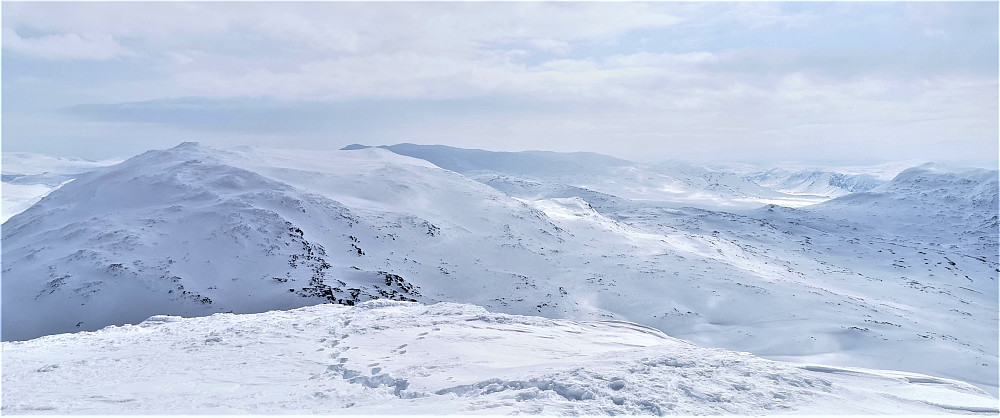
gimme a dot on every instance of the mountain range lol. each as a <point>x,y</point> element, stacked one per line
<point>896,274</point>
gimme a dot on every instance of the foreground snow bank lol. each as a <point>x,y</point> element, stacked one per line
<point>399,358</point>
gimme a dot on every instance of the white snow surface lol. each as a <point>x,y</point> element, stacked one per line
<point>18,197</point>
<point>28,177</point>
<point>859,281</point>
<point>824,184</point>
<point>406,358</point>
<point>31,164</point>
<point>884,172</point>
<point>539,174</point>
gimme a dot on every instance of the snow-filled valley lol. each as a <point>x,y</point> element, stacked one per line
<point>842,269</point>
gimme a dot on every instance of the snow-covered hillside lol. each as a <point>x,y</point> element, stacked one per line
<point>406,358</point>
<point>915,260</point>
<point>831,251</point>
<point>195,230</point>
<point>177,232</point>
<point>28,177</point>
<point>541,174</point>
<point>815,182</point>
<point>944,208</point>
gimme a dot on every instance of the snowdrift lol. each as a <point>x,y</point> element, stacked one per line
<point>406,358</point>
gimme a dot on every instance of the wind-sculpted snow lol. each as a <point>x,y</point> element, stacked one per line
<point>526,162</point>
<point>195,231</point>
<point>405,358</point>
<point>176,232</point>
<point>561,174</point>
<point>815,182</point>
<point>29,177</point>
<point>942,208</point>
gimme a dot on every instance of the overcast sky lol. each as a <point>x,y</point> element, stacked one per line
<point>812,82</point>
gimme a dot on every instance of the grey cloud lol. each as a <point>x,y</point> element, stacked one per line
<point>265,116</point>
<point>706,79</point>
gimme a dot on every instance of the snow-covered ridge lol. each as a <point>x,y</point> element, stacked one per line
<point>178,231</point>
<point>676,183</point>
<point>944,207</point>
<point>523,162</point>
<point>882,172</point>
<point>28,177</point>
<point>815,182</point>
<point>196,231</point>
<point>30,164</point>
<point>976,184</point>
<point>406,358</point>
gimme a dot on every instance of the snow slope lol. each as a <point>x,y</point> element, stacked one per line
<point>922,248</point>
<point>28,177</point>
<point>939,206</point>
<point>866,270</point>
<point>406,358</point>
<point>815,182</point>
<point>676,184</point>
<point>176,232</point>
<point>881,172</point>
<point>18,197</point>
<point>195,231</point>
<point>23,164</point>
<point>913,264</point>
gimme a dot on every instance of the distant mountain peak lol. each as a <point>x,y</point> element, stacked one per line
<point>946,172</point>
<point>187,145</point>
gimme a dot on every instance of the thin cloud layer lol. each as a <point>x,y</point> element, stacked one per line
<point>638,80</point>
<point>67,46</point>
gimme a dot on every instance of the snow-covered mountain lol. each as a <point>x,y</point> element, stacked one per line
<point>916,260</point>
<point>544,174</point>
<point>815,182</point>
<point>945,208</point>
<point>394,357</point>
<point>22,167</point>
<point>195,230</point>
<point>27,177</point>
<point>549,163</point>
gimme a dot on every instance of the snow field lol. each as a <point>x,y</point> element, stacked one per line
<point>398,357</point>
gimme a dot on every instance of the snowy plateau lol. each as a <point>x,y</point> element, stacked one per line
<point>430,279</point>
